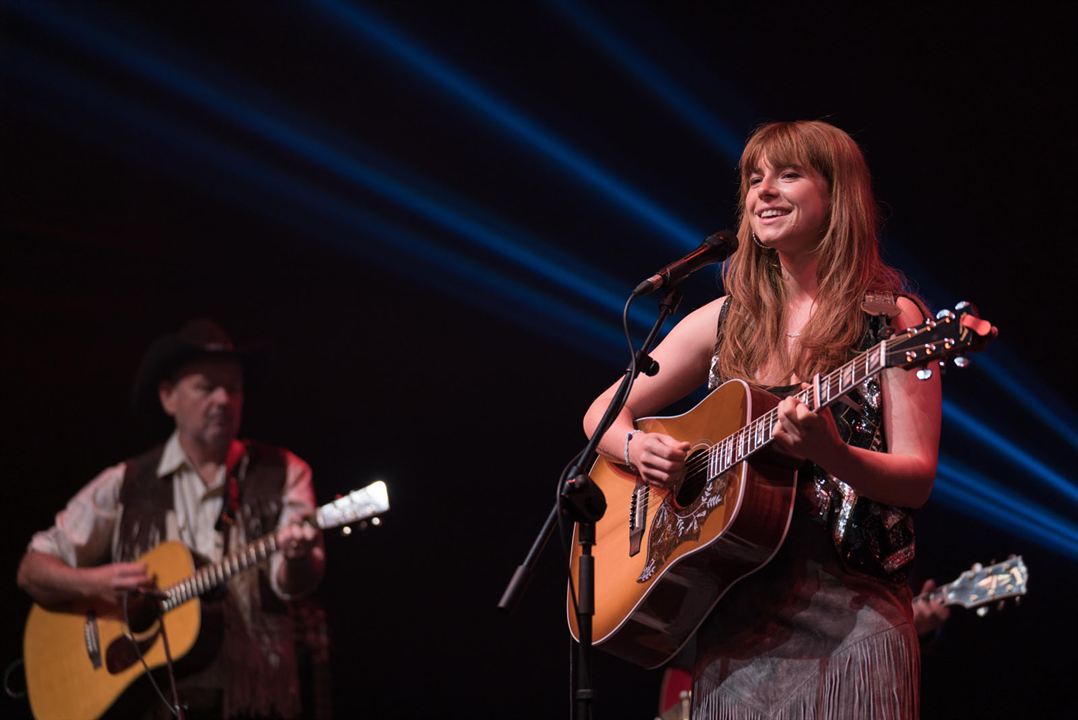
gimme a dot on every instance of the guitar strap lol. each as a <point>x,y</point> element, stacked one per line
<point>230,508</point>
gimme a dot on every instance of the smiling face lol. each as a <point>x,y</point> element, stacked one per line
<point>787,206</point>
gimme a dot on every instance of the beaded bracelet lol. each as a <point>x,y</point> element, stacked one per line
<point>628,462</point>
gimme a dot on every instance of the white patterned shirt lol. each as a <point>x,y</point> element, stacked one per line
<point>86,532</point>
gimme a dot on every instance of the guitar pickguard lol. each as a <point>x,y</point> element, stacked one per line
<point>671,527</point>
<point>125,651</point>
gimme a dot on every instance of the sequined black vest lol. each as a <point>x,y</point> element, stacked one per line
<point>870,537</point>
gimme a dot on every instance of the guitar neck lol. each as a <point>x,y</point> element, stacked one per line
<point>980,585</point>
<point>825,390</point>
<point>213,576</point>
<point>357,505</point>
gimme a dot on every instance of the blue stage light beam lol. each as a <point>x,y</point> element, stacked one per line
<point>374,30</point>
<point>400,250</point>
<point>993,491</point>
<point>1057,418</point>
<point>724,140</point>
<point>328,158</point>
<point>619,341</point>
<point>286,191</point>
<point>716,132</point>
<point>1019,383</point>
<point>1006,449</point>
<point>545,261</point>
<point>953,491</point>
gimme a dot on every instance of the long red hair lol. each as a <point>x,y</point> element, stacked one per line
<point>849,261</point>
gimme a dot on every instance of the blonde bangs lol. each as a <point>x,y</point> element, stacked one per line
<point>786,145</point>
<point>850,264</point>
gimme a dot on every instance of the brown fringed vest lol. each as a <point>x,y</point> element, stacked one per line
<point>147,499</point>
<point>256,664</point>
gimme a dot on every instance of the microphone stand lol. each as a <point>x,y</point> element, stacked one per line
<point>582,501</point>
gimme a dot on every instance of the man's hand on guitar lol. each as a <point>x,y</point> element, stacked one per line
<point>660,459</point>
<point>296,541</point>
<point>106,584</point>
<point>929,614</point>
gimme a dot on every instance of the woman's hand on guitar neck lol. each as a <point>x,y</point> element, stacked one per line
<point>658,458</point>
<point>806,435</point>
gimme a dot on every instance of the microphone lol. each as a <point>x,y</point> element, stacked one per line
<point>715,248</point>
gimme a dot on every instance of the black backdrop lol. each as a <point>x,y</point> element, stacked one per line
<point>465,402</point>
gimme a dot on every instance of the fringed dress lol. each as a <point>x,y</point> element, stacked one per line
<point>825,630</point>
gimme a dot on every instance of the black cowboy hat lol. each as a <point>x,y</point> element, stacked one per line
<point>196,340</point>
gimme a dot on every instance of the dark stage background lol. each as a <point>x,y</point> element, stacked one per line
<point>147,180</point>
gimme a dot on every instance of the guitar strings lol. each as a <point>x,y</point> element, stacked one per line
<point>767,419</point>
<point>702,461</point>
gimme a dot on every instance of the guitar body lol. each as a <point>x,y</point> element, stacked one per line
<point>79,662</point>
<point>696,542</point>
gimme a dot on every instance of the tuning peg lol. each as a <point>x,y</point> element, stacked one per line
<point>982,611</point>
<point>961,361</point>
<point>346,531</point>
<point>924,373</point>
<point>966,306</point>
<point>944,314</point>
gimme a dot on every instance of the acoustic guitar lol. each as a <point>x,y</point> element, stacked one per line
<point>79,662</point>
<point>664,557</point>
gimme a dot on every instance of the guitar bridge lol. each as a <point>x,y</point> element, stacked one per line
<point>638,515</point>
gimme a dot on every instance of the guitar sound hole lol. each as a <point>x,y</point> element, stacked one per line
<point>142,613</point>
<point>693,483</point>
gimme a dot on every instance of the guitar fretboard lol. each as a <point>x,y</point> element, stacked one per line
<point>357,505</point>
<point>209,577</point>
<point>734,448</point>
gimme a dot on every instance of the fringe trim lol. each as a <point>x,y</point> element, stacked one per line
<point>876,678</point>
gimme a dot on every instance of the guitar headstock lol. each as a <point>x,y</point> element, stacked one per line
<point>357,505</point>
<point>950,335</point>
<point>981,585</point>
